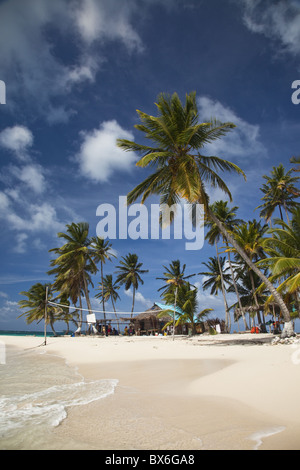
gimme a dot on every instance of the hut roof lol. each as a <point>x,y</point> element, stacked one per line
<point>152,312</point>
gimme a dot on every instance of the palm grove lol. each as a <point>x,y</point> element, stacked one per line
<point>258,261</point>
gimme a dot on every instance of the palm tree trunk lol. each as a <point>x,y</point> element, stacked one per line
<point>227,315</point>
<point>255,296</point>
<point>52,327</point>
<point>113,304</point>
<point>288,327</point>
<point>86,293</point>
<point>236,290</point>
<point>133,298</point>
<point>173,334</point>
<point>103,303</point>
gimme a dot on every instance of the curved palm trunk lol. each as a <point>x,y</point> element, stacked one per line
<point>255,296</point>
<point>227,315</point>
<point>236,291</point>
<point>288,327</point>
<point>51,321</point>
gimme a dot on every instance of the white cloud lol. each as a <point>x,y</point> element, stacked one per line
<point>29,217</point>
<point>27,52</point>
<point>139,298</point>
<point>99,155</point>
<point>276,20</point>
<point>20,246</point>
<point>32,176</point>
<point>109,19</point>
<point>9,310</point>
<point>242,141</point>
<point>17,139</point>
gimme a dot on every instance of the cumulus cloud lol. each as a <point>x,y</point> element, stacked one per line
<point>17,139</point>
<point>242,141</point>
<point>99,155</point>
<point>277,20</point>
<point>139,298</point>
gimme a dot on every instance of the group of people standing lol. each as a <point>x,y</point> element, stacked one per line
<point>108,330</point>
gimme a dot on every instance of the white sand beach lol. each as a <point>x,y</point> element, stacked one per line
<point>233,391</point>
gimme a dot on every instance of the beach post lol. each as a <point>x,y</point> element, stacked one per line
<point>45,325</point>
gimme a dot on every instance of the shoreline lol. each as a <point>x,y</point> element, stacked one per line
<point>221,392</point>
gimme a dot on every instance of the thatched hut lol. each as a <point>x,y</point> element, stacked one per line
<point>147,323</point>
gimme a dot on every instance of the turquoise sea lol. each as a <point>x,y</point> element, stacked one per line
<point>27,333</point>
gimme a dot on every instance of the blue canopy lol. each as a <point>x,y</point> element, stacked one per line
<point>169,307</point>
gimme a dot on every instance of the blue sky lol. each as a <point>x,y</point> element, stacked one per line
<point>75,73</point>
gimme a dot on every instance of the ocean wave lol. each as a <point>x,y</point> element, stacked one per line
<point>49,406</point>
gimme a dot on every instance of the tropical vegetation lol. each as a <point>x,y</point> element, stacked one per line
<point>256,267</point>
<point>181,171</point>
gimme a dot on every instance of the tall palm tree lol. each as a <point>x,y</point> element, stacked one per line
<point>279,191</point>
<point>129,273</point>
<point>75,261</point>
<point>35,305</point>
<point>181,171</point>
<point>108,291</point>
<point>101,251</point>
<point>174,277</point>
<point>227,216</point>
<point>218,277</point>
<point>283,248</point>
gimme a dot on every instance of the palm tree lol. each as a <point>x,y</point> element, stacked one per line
<point>250,235</point>
<point>36,303</point>
<point>188,304</point>
<point>249,295</point>
<point>283,248</point>
<point>129,273</point>
<point>101,251</point>
<point>279,191</point>
<point>181,171</point>
<point>108,291</point>
<point>69,283</point>
<point>227,216</point>
<point>174,278</point>
<point>297,161</point>
<point>75,262</point>
<point>217,280</point>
